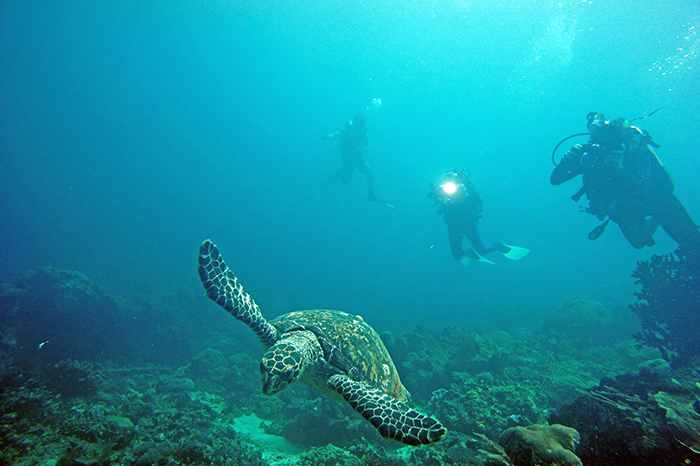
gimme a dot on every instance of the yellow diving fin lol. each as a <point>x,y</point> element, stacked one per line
<point>516,253</point>
<point>374,199</point>
<point>330,181</point>
<point>472,255</point>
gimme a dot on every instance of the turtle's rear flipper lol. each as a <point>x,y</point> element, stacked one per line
<point>391,418</point>
<point>223,287</point>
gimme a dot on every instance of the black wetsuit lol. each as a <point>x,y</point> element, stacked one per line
<point>352,145</point>
<point>625,181</point>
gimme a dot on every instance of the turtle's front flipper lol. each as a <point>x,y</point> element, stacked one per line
<point>392,418</point>
<point>224,288</point>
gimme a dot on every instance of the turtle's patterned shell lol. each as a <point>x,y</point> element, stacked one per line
<point>350,345</point>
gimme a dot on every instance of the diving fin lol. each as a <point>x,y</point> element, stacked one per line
<point>516,252</point>
<point>472,255</point>
<point>599,230</point>
<point>370,197</point>
<point>382,202</point>
<point>330,181</point>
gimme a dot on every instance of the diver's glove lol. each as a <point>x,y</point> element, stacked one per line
<point>433,191</point>
<point>575,152</point>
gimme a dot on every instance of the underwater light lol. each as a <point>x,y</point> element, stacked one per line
<point>449,188</point>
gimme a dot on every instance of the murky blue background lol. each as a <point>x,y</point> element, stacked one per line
<point>131,131</point>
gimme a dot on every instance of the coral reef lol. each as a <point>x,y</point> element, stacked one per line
<point>636,419</point>
<point>668,304</point>
<point>156,380</point>
<point>329,455</point>
<point>123,422</point>
<point>580,324</point>
<point>538,444</point>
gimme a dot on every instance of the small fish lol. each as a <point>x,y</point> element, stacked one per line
<point>41,345</point>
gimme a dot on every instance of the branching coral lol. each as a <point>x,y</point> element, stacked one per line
<point>669,306</point>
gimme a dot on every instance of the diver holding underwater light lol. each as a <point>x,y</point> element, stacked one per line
<point>461,207</point>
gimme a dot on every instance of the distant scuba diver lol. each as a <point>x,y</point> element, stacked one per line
<point>625,182</point>
<point>461,207</point>
<point>353,142</point>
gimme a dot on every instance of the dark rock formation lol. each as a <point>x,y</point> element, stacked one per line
<point>50,315</point>
<point>621,422</point>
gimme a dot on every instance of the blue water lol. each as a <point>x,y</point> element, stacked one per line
<point>131,131</point>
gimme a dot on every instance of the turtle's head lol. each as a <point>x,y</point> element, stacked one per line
<point>281,365</point>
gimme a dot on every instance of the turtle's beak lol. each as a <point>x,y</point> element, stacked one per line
<point>273,381</point>
<point>268,386</point>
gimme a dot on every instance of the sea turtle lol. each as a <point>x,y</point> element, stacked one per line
<point>336,353</point>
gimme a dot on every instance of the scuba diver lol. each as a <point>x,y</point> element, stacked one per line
<point>461,207</point>
<point>352,144</point>
<point>625,182</point>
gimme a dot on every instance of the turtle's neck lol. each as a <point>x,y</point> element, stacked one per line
<point>306,343</point>
<point>288,360</point>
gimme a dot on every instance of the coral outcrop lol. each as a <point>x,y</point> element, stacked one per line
<point>683,412</point>
<point>541,445</point>
<point>50,315</point>
<point>580,324</point>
